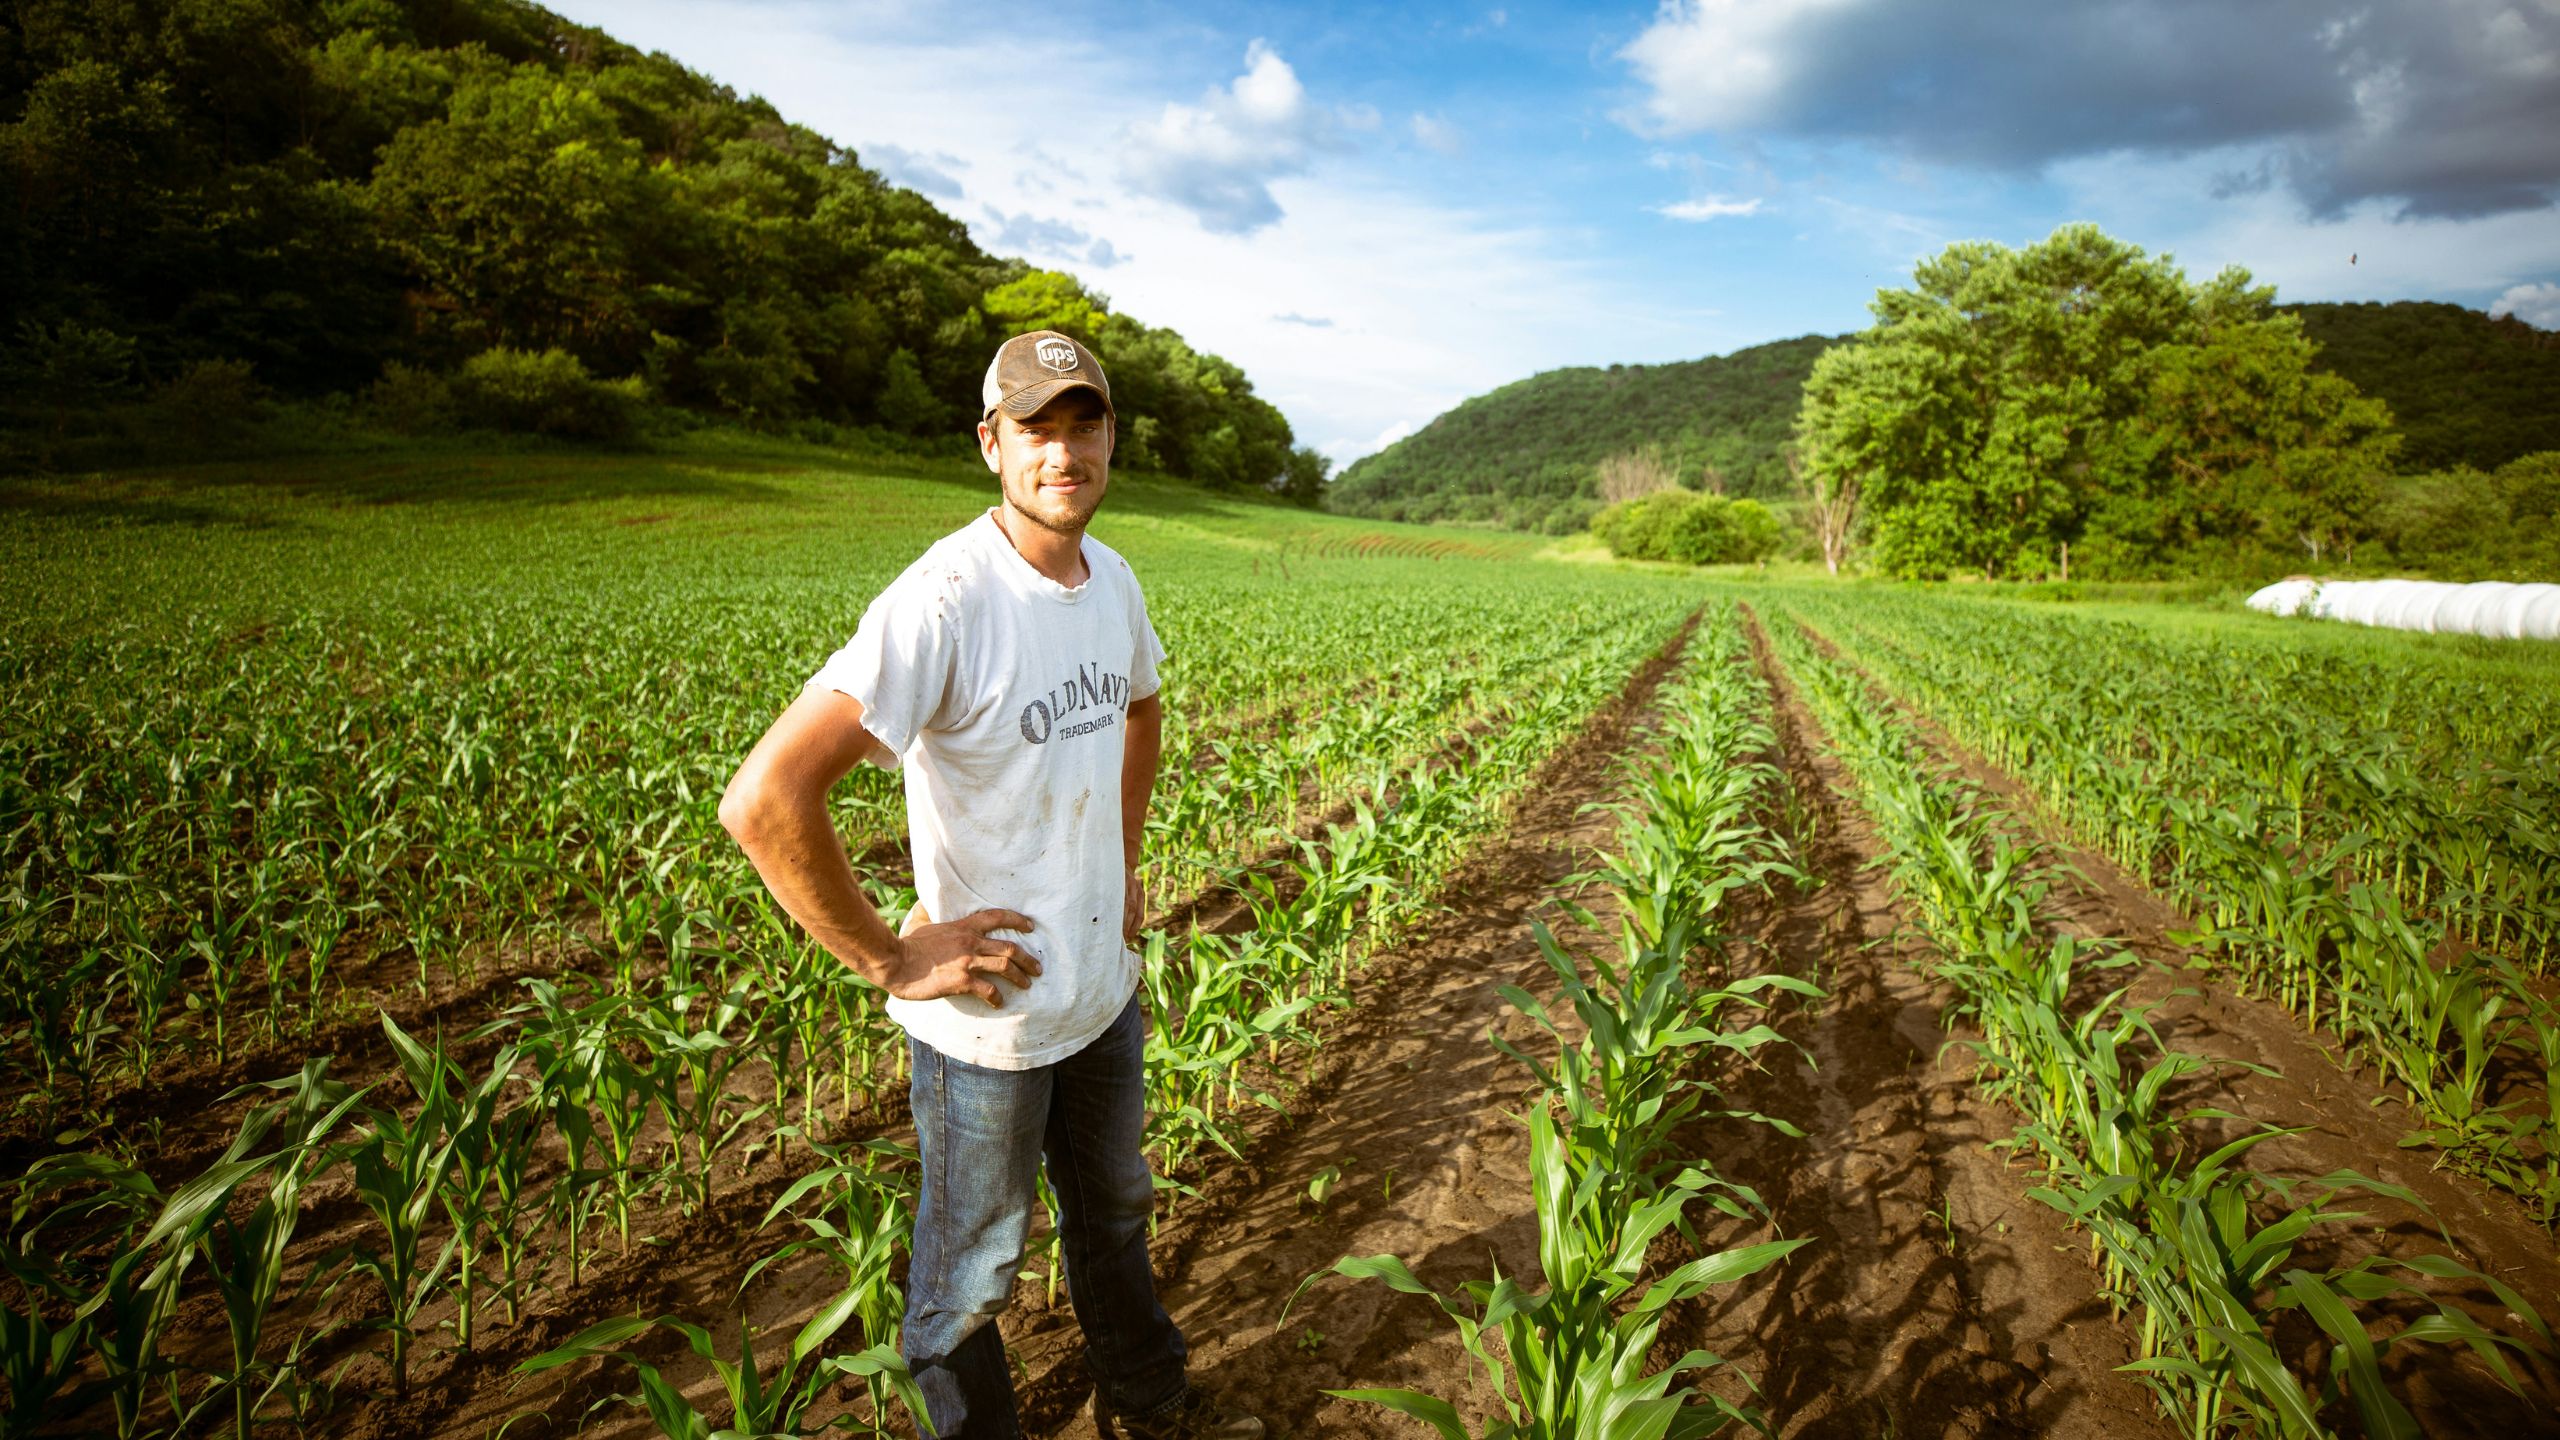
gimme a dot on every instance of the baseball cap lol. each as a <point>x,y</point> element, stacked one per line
<point>1030,368</point>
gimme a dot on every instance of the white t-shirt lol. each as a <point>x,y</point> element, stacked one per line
<point>1004,696</point>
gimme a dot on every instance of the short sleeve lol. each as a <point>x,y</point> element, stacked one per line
<point>1146,651</point>
<point>902,662</point>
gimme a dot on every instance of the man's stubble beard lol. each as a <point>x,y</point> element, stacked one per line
<point>1077,522</point>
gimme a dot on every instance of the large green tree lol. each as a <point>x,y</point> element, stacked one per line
<point>2078,404</point>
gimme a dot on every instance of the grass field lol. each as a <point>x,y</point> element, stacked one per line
<point>1599,926</point>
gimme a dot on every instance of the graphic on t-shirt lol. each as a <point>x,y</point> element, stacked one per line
<point>1091,688</point>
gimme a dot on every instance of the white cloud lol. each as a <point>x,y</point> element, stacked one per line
<point>1217,159</point>
<point>2431,104</point>
<point>926,174</point>
<point>1039,239</point>
<point>2369,251</point>
<point>1435,134</point>
<point>1718,64</point>
<point>2537,305</point>
<point>1429,302</point>
<point>1709,207</point>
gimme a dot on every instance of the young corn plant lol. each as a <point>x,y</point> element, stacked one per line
<point>109,1202</point>
<point>403,1167</point>
<point>761,1403</point>
<point>482,1188</point>
<point>1570,1364</point>
<point>245,1255</point>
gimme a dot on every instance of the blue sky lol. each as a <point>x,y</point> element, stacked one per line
<point>1379,211</point>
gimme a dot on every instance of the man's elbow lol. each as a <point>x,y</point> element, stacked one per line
<point>743,812</point>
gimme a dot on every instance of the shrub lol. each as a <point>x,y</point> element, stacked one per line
<point>1687,528</point>
<point>410,400</point>
<point>1757,535</point>
<point>544,392</point>
<point>2466,524</point>
<point>906,402</point>
<point>1568,517</point>
<point>211,403</point>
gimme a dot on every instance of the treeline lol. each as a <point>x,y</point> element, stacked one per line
<point>2466,397</point>
<point>2465,389</point>
<point>2078,406</point>
<point>472,212</point>
<point>1527,456</point>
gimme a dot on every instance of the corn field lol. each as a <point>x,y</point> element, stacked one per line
<point>396,1045</point>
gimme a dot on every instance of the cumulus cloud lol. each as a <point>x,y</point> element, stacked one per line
<point>2537,305</point>
<point>1217,159</point>
<point>925,173</point>
<point>1709,207</point>
<point>2433,104</point>
<point>1034,236</point>
<point>1437,135</point>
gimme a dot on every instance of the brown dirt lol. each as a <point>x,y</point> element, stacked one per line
<point>1936,1299</point>
<point>1408,1100</point>
<point>2348,1122</point>
<point>1420,1006</point>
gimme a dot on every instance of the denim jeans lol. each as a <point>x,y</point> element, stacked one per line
<point>982,1134</point>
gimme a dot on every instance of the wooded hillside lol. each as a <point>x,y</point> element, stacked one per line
<point>217,198</point>
<point>2464,389</point>
<point>1524,455</point>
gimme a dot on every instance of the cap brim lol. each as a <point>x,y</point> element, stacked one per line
<point>1031,397</point>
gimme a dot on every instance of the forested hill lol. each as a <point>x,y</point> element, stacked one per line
<point>209,199</point>
<point>2464,388</point>
<point>1524,455</point>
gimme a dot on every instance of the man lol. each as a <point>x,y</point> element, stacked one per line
<point>1012,672</point>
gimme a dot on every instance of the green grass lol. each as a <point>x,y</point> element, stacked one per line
<point>247,540</point>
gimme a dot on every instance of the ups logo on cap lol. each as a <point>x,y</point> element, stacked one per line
<point>1056,354</point>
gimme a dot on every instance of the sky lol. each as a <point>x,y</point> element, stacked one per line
<point>1379,211</point>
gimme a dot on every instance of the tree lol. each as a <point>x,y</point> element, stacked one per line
<point>1634,474</point>
<point>1830,502</point>
<point>2080,393</point>
<point>519,209</point>
<point>906,402</point>
<point>1302,481</point>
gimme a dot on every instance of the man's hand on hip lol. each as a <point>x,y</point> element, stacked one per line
<point>958,957</point>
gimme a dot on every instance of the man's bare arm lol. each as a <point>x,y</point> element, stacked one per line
<point>1138,759</point>
<point>776,807</point>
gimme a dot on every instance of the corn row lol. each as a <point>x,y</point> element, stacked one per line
<point>2201,1246</point>
<point>1608,1178</point>
<point>2292,909</point>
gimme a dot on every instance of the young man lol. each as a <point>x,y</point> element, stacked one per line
<point>1012,672</point>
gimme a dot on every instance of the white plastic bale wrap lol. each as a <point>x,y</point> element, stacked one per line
<point>2284,597</point>
<point>2473,609</point>
<point>2493,607</point>
<point>2541,613</point>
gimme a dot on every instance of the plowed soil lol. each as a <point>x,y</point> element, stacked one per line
<point>2347,1122</point>
<point>1935,1299</point>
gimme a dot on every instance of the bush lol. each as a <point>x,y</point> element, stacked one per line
<point>1756,533</point>
<point>906,402</point>
<point>2466,524</point>
<point>544,392</point>
<point>211,404</point>
<point>1569,517</point>
<point>410,400</point>
<point>1687,528</point>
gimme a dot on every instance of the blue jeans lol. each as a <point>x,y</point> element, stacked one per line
<point>982,1134</point>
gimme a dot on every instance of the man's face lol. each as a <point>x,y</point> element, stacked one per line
<point>1055,463</point>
